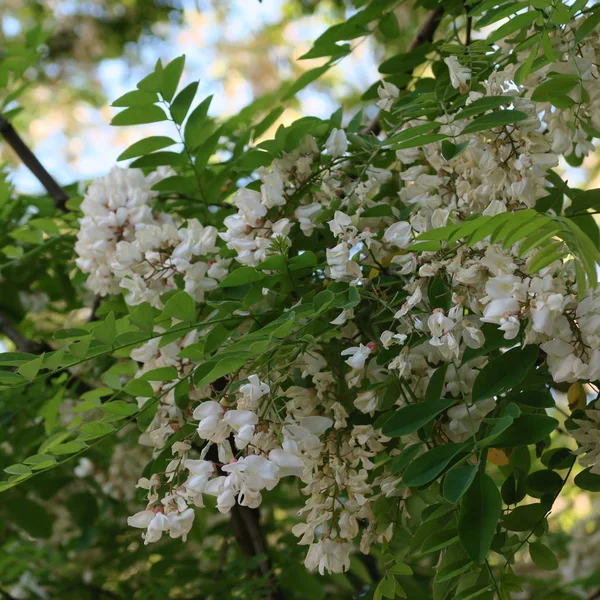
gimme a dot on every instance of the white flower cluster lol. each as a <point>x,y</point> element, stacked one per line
<point>124,244</point>
<point>298,419</point>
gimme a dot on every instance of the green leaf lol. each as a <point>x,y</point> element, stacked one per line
<point>543,482</point>
<point>584,200</point>
<point>275,262</point>
<point>514,24</point>
<point>534,398</point>
<point>405,62</point>
<point>504,372</point>
<point>197,124</point>
<point>450,150</point>
<point>10,378</point>
<point>475,591</point>
<point>410,133</point>
<point>38,459</point>
<point>170,77</point>
<point>323,300</point>
<point>221,368</point>
<point>120,408</point>
<point>453,570</point>
<point>524,518</point>
<point>18,469</point>
<point>401,569</point>
<point>139,115</point>
<point>480,510</point>
<point>543,557</point>
<point>558,459</point>
<point>333,50</point>
<point>501,424</point>
<point>53,440</point>
<point>143,317</point>
<point>411,418</point>
<point>306,260</point>
<point>498,13</point>
<point>402,460</point>
<point>66,334</point>
<point>439,294</point>
<point>181,105</point>
<point>139,388</point>
<point>106,331</point>
<point>457,481</point>
<point>91,431</point>
<point>50,411</point>
<point>145,146</point>
<point>517,231</point>
<point>14,359</point>
<point>160,374</point>
<point>68,448</point>
<point>546,256</point>
<point>180,306</point>
<point>439,540</point>
<point>482,105</point>
<point>388,25</point>
<point>527,429</point>
<point>428,466</point>
<point>136,98</point>
<point>153,81</point>
<point>421,140</point>
<point>493,120</point>
<point>556,84</point>
<point>586,480</point>
<point>538,238</point>
<point>159,159</point>
<point>30,369</point>
<point>242,276</point>
<point>588,25</point>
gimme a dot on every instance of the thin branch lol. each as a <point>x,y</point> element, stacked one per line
<point>424,36</point>
<point>14,140</point>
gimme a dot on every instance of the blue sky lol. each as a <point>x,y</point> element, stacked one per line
<point>97,145</point>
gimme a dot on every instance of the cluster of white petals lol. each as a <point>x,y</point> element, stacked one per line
<point>124,244</point>
<point>297,419</point>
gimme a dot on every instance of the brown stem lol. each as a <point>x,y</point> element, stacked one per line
<point>14,140</point>
<point>424,35</point>
<point>245,523</point>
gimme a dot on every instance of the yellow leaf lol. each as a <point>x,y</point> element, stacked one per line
<point>497,457</point>
<point>576,396</point>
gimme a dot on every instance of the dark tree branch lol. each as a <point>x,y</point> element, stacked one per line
<point>245,523</point>
<point>424,36</point>
<point>22,344</point>
<point>14,140</point>
<point>469,29</point>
